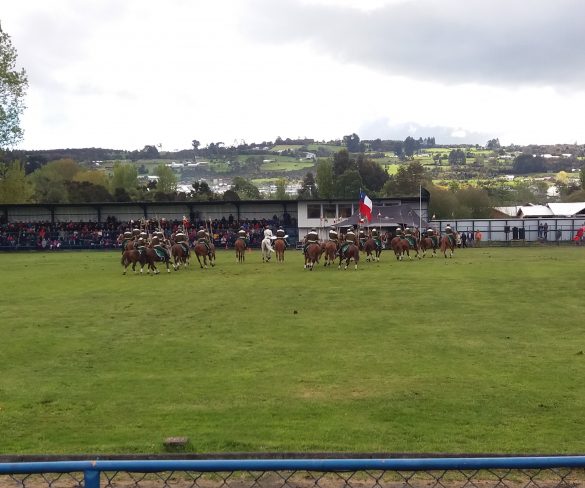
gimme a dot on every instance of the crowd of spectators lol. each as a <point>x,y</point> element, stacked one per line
<point>104,235</point>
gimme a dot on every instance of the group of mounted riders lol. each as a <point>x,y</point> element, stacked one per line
<point>146,249</point>
<point>347,245</point>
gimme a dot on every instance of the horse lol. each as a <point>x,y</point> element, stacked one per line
<point>181,254</point>
<point>402,246</point>
<point>372,250</point>
<point>240,247</point>
<point>329,248</point>
<point>279,247</point>
<point>428,244</point>
<point>267,250</point>
<point>350,252</point>
<point>312,255</point>
<point>129,243</point>
<point>131,257</point>
<point>201,250</point>
<point>153,257</point>
<point>447,244</point>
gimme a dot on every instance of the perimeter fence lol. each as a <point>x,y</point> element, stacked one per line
<point>496,472</point>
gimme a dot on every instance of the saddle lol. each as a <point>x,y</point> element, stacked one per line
<point>185,247</point>
<point>161,253</point>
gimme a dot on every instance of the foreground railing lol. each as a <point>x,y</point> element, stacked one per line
<point>497,472</point>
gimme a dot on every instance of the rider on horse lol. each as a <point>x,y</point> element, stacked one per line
<point>450,234</point>
<point>311,238</point>
<point>268,235</point>
<point>242,234</point>
<point>408,235</point>
<point>362,238</point>
<point>126,238</point>
<point>376,238</point>
<point>182,239</point>
<point>349,239</point>
<point>202,236</point>
<point>398,232</point>
<point>280,234</point>
<point>158,244</point>
<point>334,236</point>
<point>433,236</point>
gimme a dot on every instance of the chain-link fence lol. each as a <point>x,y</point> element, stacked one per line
<point>518,472</point>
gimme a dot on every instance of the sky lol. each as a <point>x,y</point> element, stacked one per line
<point>128,73</point>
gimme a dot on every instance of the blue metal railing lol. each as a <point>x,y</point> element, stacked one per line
<point>91,469</point>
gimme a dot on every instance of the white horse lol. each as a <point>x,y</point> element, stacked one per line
<point>266,246</point>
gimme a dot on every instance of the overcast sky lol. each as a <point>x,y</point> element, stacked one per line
<point>127,73</point>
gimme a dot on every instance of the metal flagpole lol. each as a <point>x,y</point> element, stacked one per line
<point>419,208</point>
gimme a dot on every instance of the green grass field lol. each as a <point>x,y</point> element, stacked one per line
<point>479,354</point>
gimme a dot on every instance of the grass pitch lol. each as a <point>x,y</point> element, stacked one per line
<point>479,354</point>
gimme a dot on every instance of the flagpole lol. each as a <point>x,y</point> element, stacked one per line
<point>420,208</point>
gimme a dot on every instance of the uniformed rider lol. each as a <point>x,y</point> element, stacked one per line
<point>431,233</point>
<point>242,234</point>
<point>362,237</point>
<point>280,234</point>
<point>349,239</point>
<point>182,239</point>
<point>450,234</point>
<point>202,236</point>
<point>409,236</point>
<point>311,238</point>
<point>126,238</point>
<point>398,232</point>
<point>376,238</point>
<point>157,243</point>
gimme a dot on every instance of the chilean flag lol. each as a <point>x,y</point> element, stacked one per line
<point>366,206</point>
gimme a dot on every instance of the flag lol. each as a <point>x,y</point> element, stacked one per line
<point>366,206</point>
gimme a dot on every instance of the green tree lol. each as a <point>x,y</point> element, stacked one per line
<point>407,181</point>
<point>348,185</point>
<point>324,178</point>
<point>202,192</point>
<point>50,181</point>
<point>373,175</point>
<point>353,144</point>
<point>14,186</point>
<point>245,189</point>
<point>410,146</point>
<point>442,203</point>
<point>167,181</point>
<point>457,157</point>
<point>342,162</point>
<point>13,85</point>
<point>493,144</point>
<point>280,193</point>
<point>582,177</point>
<point>124,177</point>
<point>308,189</point>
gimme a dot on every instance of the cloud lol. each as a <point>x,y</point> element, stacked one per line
<point>384,128</point>
<point>532,42</point>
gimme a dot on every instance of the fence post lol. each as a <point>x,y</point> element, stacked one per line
<point>91,479</point>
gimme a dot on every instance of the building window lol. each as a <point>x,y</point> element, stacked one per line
<point>344,211</point>
<point>329,211</point>
<point>314,211</point>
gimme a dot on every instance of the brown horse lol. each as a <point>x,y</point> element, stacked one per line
<point>447,245</point>
<point>129,243</point>
<point>348,253</point>
<point>240,246</point>
<point>329,248</point>
<point>131,257</point>
<point>279,247</point>
<point>181,254</point>
<point>153,257</point>
<point>201,250</point>
<point>428,244</point>
<point>372,250</point>
<point>402,246</point>
<point>312,255</point>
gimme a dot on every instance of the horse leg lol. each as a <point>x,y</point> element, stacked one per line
<point>199,259</point>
